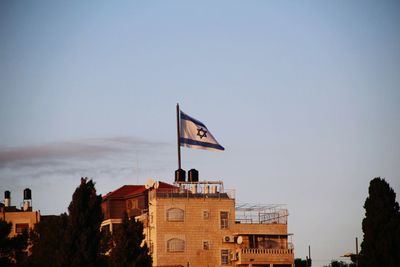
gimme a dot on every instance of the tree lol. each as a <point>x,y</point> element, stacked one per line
<point>335,263</point>
<point>82,238</point>
<point>12,250</point>
<point>128,249</point>
<point>47,240</point>
<point>300,262</point>
<point>381,227</point>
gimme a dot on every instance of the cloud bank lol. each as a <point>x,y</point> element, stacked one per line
<point>99,157</point>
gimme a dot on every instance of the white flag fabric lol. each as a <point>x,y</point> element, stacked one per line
<point>194,134</point>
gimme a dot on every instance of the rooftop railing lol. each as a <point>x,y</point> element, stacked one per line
<point>261,214</point>
<point>193,193</point>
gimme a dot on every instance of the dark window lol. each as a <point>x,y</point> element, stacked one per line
<point>225,257</point>
<point>21,227</point>
<point>224,219</point>
<point>175,245</point>
<point>206,245</point>
<point>206,214</point>
<point>175,215</point>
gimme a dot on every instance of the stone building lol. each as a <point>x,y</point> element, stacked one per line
<point>22,219</point>
<point>198,224</point>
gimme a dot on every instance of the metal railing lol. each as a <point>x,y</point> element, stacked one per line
<point>184,193</point>
<point>266,251</point>
<point>261,213</point>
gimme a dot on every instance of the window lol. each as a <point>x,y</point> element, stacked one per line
<point>224,219</point>
<point>225,257</point>
<point>132,204</point>
<point>21,227</point>
<point>206,214</point>
<point>206,245</point>
<point>175,215</point>
<point>175,245</point>
<point>151,248</point>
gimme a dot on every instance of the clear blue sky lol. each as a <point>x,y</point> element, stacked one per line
<point>304,96</point>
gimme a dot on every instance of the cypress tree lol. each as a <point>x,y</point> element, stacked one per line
<point>128,249</point>
<point>381,227</point>
<point>82,238</point>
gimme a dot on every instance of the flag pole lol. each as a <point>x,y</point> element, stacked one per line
<point>179,134</point>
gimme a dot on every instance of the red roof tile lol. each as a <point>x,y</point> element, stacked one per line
<point>125,190</point>
<point>128,190</point>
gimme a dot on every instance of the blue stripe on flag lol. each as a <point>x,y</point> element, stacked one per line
<point>188,118</point>
<point>199,143</point>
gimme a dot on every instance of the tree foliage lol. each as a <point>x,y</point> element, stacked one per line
<point>129,249</point>
<point>300,263</point>
<point>82,238</point>
<point>75,239</point>
<point>381,227</point>
<point>12,249</point>
<point>335,263</point>
<point>47,240</point>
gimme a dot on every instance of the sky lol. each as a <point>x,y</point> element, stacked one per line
<point>303,95</point>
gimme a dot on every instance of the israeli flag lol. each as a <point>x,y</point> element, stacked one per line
<point>194,134</point>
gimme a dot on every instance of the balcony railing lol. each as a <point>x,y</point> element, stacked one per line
<point>266,251</point>
<point>264,256</point>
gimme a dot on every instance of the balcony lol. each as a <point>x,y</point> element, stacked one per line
<point>264,256</point>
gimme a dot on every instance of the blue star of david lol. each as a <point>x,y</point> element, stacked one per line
<point>201,133</point>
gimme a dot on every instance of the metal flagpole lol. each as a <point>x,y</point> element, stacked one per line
<point>179,135</point>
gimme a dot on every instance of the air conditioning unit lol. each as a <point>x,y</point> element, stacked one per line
<point>229,239</point>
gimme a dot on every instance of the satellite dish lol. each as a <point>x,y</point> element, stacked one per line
<point>149,184</point>
<point>239,240</point>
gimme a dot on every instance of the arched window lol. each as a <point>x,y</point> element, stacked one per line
<point>175,245</point>
<point>175,215</point>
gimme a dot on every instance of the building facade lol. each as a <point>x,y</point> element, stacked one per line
<point>200,224</point>
<point>22,219</point>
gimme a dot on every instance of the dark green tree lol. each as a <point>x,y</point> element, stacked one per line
<point>335,263</point>
<point>82,238</point>
<point>128,249</point>
<point>47,240</point>
<point>300,263</point>
<point>12,250</point>
<point>381,227</point>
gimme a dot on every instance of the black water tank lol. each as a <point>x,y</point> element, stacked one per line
<point>193,175</point>
<point>180,175</point>
<point>7,194</point>
<point>27,194</point>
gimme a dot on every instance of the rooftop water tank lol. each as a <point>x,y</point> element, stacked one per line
<point>27,194</point>
<point>180,175</point>
<point>7,198</point>
<point>193,175</point>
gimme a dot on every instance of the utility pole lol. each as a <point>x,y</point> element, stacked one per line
<point>309,256</point>
<point>356,251</point>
